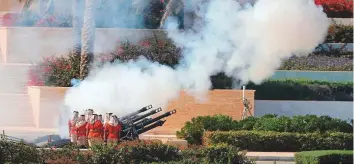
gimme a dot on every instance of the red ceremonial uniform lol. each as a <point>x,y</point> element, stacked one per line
<point>95,130</point>
<point>81,131</point>
<point>72,128</point>
<point>113,131</point>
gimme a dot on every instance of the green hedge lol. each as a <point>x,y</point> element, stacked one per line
<point>291,89</point>
<point>124,153</point>
<point>18,153</point>
<point>320,62</point>
<point>280,141</point>
<point>340,34</point>
<point>324,156</point>
<point>193,130</point>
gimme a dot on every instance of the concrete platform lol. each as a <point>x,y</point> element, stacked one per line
<point>272,156</point>
<point>274,162</point>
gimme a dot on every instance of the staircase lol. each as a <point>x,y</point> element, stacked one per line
<point>15,106</point>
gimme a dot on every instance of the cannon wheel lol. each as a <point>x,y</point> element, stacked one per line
<point>131,135</point>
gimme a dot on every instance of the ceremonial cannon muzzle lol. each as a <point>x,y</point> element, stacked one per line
<point>138,124</point>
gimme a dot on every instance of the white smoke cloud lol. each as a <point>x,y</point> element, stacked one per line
<point>124,88</point>
<point>248,44</point>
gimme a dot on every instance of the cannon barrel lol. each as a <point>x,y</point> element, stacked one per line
<point>137,118</point>
<point>142,124</point>
<point>135,113</point>
<point>145,129</point>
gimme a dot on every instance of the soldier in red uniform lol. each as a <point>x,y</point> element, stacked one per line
<point>106,119</point>
<point>81,131</point>
<point>95,131</point>
<point>112,131</point>
<point>100,118</point>
<point>72,127</point>
<point>89,113</point>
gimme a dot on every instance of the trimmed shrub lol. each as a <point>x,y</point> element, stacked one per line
<point>324,156</point>
<point>280,141</point>
<point>55,71</point>
<point>153,49</point>
<point>135,152</point>
<point>193,130</point>
<point>126,152</point>
<point>216,154</point>
<point>319,63</point>
<point>340,34</point>
<point>18,153</point>
<point>303,90</point>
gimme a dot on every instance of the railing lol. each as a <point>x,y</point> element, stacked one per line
<point>5,137</point>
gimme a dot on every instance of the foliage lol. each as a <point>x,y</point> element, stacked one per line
<point>297,89</point>
<point>340,34</point>
<point>153,49</point>
<point>126,152</point>
<point>319,63</point>
<point>280,141</point>
<point>55,71</point>
<point>216,154</point>
<point>135,152</point>
<point>324,156</point>
<point>193,130</point>
<point>337,8</point>
<point>18,153</point>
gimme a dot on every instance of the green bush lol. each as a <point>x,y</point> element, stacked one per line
<point>325,60</point>
<point>290,89</point>
<point>280,141</point>
<point>135,152</point>
<point>324,156</point>
<point>124,153</point>
<point>154,49</point>
<point>193,130</point>
<point>216,154</point>
<point>340,34</point>
<point>18,153</point>
<point>55,71</point>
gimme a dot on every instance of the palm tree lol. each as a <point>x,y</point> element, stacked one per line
<point>26,5</point>
<point>78,9</point>
<point>173,6</point>
<point>88,37</point>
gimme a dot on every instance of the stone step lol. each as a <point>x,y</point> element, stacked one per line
<point>15,110</point>
<point>14,78</point>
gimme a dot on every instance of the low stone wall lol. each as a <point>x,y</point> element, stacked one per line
<point>226,102</point>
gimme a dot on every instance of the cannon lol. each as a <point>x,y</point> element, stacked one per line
<point>132,125</point>
<point>134,114</point>
<point>138,124</point>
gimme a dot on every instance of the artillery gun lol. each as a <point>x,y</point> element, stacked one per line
<point>135,124</point>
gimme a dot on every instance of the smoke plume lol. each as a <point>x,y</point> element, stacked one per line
<point>246,42</point>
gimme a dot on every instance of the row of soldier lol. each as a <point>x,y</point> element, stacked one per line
<point>89,129</point>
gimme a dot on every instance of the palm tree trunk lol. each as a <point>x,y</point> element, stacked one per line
<point>26,6</point>
<point>88,38</point>
<point>172,6</point>
<point>78,10</point>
